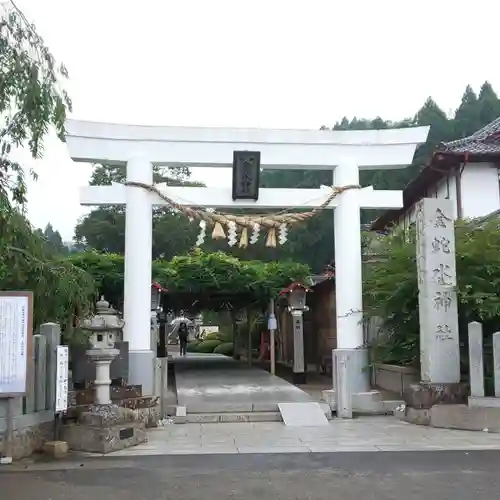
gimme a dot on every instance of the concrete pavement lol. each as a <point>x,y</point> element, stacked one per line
<point>367,434</point>
<point>212,383</point>
<point>318,476</point>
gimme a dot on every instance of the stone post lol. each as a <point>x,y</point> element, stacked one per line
<point>299,374</point>
<point>437,297</point>
<point>40,349</point>
<point>496,363</point>
<point>52,334</point>
<point>438,308</point>
<point>476,364</point>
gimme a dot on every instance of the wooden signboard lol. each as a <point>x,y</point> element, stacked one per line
<point>16,342</point>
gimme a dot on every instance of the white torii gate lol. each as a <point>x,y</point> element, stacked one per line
<point>344,152</point>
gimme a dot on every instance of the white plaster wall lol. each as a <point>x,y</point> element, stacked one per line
<point>480,190</point>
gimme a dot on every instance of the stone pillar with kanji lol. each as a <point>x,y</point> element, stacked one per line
<point>438,306</point>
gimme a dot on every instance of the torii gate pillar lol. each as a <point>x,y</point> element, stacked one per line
<point>350,359</point>
<point>137,282</point>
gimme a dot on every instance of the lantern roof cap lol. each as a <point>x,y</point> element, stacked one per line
<point>295,286</point>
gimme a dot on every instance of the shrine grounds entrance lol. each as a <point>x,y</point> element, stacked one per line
<point>343,152</point>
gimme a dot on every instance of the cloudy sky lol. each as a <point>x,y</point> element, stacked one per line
<point>252,63</point>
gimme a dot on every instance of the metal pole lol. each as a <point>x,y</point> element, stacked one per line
<point>272,329</point>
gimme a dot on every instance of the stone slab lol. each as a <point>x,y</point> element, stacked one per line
<point>465,418</point>
<point>485,402</point>
<point>302,414</point>
<point>360,434</point>
<point>460,417</point>
<point>363,403</point>
<point>214,418</point>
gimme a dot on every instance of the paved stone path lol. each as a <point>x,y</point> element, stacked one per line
<point>361,434</point>
<point>214,383</point>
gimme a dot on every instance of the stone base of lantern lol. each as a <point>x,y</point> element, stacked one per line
<point>104,429</point>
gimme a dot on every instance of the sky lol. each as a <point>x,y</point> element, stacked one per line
<point>251,63</point>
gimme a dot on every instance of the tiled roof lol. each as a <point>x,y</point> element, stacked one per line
<point>484,141</point>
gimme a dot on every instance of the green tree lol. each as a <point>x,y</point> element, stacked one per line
<point>103,229</point>
<point>32,100</point>
<point>467,117</point>
<point>52,239</point>
<point>489,105</point>
<point>32,97</point>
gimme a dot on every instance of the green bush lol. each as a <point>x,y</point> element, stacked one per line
<point>225,336</point>
<point>199,277</point>
<point>193,345</point>
<point>211,336</point>
<point>207,346</point>
<point>226,348</point>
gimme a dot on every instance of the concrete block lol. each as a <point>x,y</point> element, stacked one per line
<point>417,416</point>
<point>369,403</point>
<point>330,397</point>
<point>465,418</point>
<point>475,402</point>
<point>55,449</point>
<point>394,378</point>
<point>180,415</point>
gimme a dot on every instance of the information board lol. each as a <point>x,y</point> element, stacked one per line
<point>16,336</point>
<point>62,372</point>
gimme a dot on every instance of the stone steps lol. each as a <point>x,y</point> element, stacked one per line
<point>220,418</point>
<point>270,413</point>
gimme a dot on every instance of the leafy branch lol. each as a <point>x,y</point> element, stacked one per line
<point>32,99</point>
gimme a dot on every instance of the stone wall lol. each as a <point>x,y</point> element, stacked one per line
<point>394,378</point>
<point>32,417</point>
<point>29,433</point>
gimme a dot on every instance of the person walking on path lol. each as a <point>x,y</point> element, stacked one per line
<point>183,338</point>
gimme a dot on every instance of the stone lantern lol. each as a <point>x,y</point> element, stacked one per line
<point>297,298</point>
<point>296,295</point>
<point>104,328</point>
<point>104,427</point>
<point>156,290</point>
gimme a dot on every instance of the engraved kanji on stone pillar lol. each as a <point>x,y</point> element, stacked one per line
<point>437,297</point>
